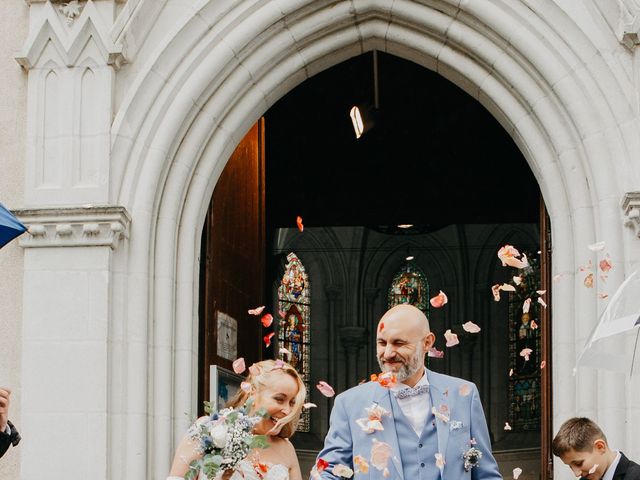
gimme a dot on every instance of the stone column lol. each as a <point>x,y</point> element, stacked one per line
<point>73,382</point>
<point>352,339</point>
<point>68,336</point>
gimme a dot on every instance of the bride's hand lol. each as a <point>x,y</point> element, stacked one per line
<point>227,474</point>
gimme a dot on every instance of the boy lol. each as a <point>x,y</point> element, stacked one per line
<point>582,445</point>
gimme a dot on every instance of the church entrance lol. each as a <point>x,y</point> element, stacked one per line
<point>374,233</point>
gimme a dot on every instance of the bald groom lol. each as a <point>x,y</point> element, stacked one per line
<point>433,423</point>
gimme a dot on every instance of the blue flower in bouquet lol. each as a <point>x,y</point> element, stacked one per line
<point>224,438</point>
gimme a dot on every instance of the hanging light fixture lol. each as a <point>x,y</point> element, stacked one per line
<point>363,116</point>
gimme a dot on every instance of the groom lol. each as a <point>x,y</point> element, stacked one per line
<point>431,425</point>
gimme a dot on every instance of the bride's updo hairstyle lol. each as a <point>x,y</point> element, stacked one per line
<point>266,373</point>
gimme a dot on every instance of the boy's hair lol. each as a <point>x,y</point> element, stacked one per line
<point>577,434</point>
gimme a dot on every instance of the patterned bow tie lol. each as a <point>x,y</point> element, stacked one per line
<point>410,392</point>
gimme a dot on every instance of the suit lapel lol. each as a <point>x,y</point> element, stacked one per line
<point>439,397</point>
<point>389,434</point>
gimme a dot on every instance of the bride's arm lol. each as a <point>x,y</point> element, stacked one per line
<point>185,454</point>
<point>294,465</point>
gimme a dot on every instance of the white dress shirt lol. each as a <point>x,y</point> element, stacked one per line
<point>417,407</point>
<point>608,475</point>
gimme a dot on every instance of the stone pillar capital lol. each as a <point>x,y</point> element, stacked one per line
<point>91,226</point>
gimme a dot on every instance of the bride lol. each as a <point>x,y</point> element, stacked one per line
<point>277,388</point>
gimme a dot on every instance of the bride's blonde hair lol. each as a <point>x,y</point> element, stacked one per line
<point>258,378</point>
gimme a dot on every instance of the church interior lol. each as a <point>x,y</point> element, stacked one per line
<point>419,204</point>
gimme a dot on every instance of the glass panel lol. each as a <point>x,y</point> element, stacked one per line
<point>294,326</point>
<point>410,286</point>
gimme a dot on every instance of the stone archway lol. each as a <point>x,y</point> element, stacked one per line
<point>228,62</point>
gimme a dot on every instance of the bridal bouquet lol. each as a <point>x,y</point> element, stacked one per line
<point>224,438</point>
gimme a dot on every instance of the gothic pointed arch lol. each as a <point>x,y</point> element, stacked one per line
<point>409,286</point>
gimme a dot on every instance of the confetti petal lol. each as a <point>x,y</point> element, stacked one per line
<point>321,465</point>
<point>380,454</point>
<point>452,338</point>
<point>507,288</point>
<point>299,223</point>
<point>282,314</point>
<point>279,364</point>
<point>439,300</point>
<point>605,264</point>
<point>435,353</point>
<point>246,387</point>
<point>526,305</point>
<point>507,426</point>
<point>440,416</point>
<point>254,370</point>
<point>387,379</point>
<point>533,325</point>
<point>381,326</point>
<point>439,461</point>
<point>267,320</point>
<point>525,352</point>
<point>542,302</point>
<point>470,327</point>
<point>543,364</point>
<point>603,295</point>
<point>361,464</point>
<point>594,468</point>
<point>495,290</point>
<point>239,366</point>
<point>267,339</point>
<point>464,389</point>
<point>508,255</point>
<point>516,473</point>
<point>596,247</point>
<point>541,292</point>
<point>309,405</point>
<point>511,372</point>
<point>588,281</point>
<point>256,311</point>
<point>284,351</point>
<point>325,389</point>
<point>517,280</point>
<point>343,471</point>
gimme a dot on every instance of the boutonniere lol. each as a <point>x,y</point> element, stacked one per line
<point>471,458</point>
<point>373,421</point>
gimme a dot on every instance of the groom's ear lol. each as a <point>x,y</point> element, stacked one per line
<point>429,340</point>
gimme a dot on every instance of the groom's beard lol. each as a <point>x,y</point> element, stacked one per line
<point>408,368</point>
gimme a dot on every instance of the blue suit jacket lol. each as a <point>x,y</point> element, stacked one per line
<point>466,422</point>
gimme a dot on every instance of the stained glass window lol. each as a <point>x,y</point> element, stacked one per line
<point>410,286</point>
<point>294,305</point>
<point>524,382</point>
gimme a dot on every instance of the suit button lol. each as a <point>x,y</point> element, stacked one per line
<point>419,445</point>
<point>422,465</point>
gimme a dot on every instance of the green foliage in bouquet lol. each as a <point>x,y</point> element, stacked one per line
<point>224,438</point>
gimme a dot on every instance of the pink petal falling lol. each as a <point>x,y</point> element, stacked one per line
<point>452,338</point>
<point>256,311</point>
<point>470,327</point>
<point>239,366</point>
<point>325,389</point>
<point>439,300</point>
<point>267,320</point>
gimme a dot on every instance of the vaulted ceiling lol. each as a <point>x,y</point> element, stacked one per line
<point>435,156</point>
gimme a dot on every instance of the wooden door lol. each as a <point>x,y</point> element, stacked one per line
<point>546,421</point>
<point>232,262</point>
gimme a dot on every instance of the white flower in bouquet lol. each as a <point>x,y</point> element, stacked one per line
<point>219,435</point>
<point>224,439</point>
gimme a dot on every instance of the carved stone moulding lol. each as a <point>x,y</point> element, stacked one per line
<point>90,226</point>
<point>631,208</point>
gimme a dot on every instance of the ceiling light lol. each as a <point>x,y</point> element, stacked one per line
<point>409,258</point>
<point>405,225</point>
<point>356,120</point>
